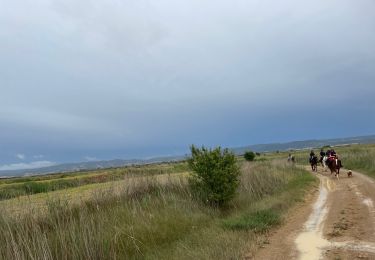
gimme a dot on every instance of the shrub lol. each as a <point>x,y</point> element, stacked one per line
<point>215,174</point>
<point>249,156</point>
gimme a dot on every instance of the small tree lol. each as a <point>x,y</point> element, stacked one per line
<point>249,156</point>
<point>215,174</point>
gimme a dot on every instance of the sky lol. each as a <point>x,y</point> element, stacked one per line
<point>95,80</point>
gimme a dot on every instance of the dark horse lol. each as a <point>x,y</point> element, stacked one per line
<point>334,165</point>
<point>314,163</point>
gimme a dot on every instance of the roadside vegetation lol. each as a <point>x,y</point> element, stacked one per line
<point>152,219</point>
<point>214,177</point>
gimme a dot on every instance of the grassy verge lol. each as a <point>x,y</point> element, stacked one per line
<point>158,221</point>
<point>272,198</point>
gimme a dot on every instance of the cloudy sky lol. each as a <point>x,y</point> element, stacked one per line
<point>89,79</point>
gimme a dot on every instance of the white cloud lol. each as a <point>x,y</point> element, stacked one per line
<point>39,156</point>
<point>25,166</point>
<point>89,158</point>
<point>20,156</point>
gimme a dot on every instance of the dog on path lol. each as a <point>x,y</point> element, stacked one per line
<point>350,174</point>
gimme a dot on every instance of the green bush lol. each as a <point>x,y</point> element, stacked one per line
<point>215,174</point>
<point>249,156</point>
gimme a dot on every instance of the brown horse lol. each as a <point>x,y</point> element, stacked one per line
<point>334,165</point>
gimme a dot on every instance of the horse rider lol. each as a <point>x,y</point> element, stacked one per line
<point>323,158</point>
<point>312,154</point>
<point>331,156</point>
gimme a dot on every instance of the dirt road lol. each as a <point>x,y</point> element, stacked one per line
<point>336,222</point>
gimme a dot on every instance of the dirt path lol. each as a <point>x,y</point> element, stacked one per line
<point>336,222</point>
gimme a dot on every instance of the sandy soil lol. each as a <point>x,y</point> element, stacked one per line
<point>336,222</point>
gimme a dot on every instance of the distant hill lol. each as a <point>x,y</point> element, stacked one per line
<point>306,144</point>
<point>296,145</point>
<point>81,166</point>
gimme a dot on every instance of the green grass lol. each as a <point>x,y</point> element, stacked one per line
<point>153,220</point>
<point>275,197</point>
<point>158,221</point>
<point>359,157</point>
<point>258,221</point>
<point>14,187</point>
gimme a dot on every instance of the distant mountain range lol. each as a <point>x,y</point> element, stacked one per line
<point>307,144</point>
<point>296,145</point>
<point>92,165</point>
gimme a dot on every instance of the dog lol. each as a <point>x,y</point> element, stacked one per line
<point>350,174</point>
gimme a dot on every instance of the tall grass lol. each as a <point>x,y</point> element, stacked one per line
<point>158,220</point>
<point>14,187</point>
<point>359,157</point>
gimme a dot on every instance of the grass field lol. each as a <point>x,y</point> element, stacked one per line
<point>15,187</point>
<point>148,212</point>
<point>149,217</point>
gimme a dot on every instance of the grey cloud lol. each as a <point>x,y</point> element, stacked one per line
<point>114,74</point>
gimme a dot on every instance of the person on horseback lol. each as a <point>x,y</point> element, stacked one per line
<point>323,158</point>
<point>331,157</point>
<point>312,154</point>
<point>314,162</point>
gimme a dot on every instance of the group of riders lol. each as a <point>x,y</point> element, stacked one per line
<point>328,159</point>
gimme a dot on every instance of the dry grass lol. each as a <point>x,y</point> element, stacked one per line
<point>16,187</point>
<point>37,203</point>
<point>152,218</point>
<point>359,157</point>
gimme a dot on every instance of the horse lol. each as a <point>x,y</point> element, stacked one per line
<point>322,161</point>
<point>334,165</point>
<point>314,163</point>
<point>291,159</point>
